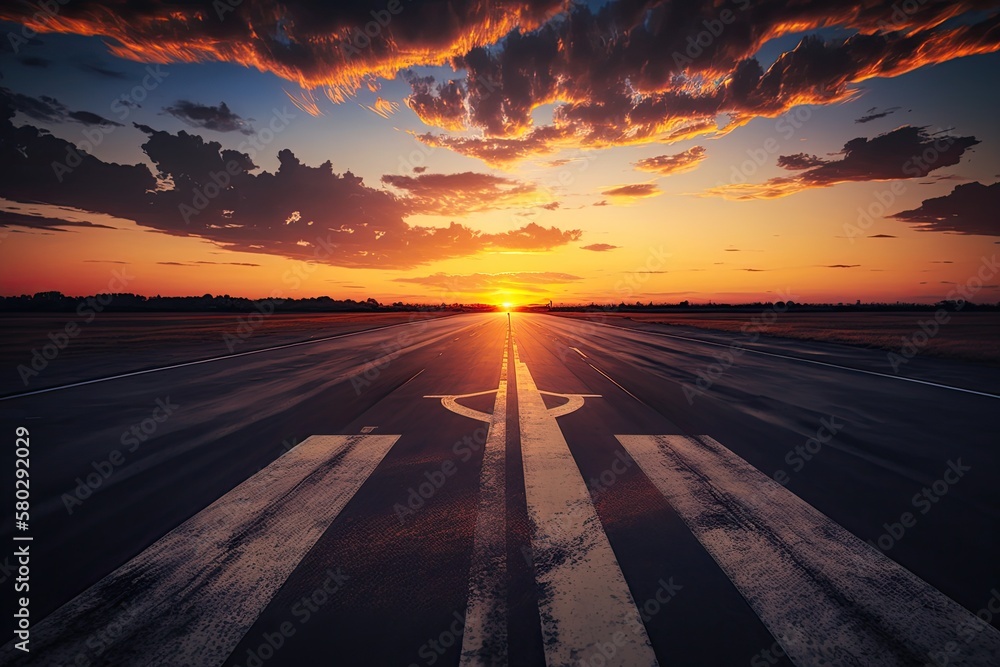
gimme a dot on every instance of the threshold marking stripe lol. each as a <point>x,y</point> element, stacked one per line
<point>826,596</point>
<point>584,601</point>
<point>190,597</point>
<point>484,641</point>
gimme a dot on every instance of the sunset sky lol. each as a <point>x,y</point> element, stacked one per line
<point>501,152</point>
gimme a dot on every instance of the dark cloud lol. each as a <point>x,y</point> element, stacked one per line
<point>799,161</point>
<point>466,192</point>
<point>881,236</point>
<point>298,211</point>
<point>678,163</point>
<point>600,247</point>
<point>9,218</point>
<point>906,152</point>
<point>88,118</point>
<point>219,119</point>
<point>841,266</point>
<point>49,110</point>
<point>875,113</point>
<point>968,209</point>
<point>101,70</point>
<point>35,61</point>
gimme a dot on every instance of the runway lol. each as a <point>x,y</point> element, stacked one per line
<point>523,490</point>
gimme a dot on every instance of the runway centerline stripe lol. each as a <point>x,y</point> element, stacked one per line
<point>484,641</point>
<point>190,597</point>
<point>826,596</point>
<point>584,602</point>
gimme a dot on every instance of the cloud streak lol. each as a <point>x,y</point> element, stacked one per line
<point>665,165</point>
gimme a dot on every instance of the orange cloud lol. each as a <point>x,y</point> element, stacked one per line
<point>664,165</point>
<point>623,194</point>
<point>467,192</point>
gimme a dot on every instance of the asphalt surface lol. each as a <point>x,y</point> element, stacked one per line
<point>584,552</point>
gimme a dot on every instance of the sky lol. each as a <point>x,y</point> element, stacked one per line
<point>502,152</point>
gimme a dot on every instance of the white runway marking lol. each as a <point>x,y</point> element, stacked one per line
<point>577,350</point>
<point>190,597</point>
<point>484,641</point>
<point>828,598</point>
<point>584,602</point>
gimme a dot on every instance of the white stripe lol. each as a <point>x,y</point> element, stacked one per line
<point>189,598</point>
<point>577,350</point>
<point>805,361</point>
<point>584,603</point>
<point>484,641</point>
<point>825,595</point>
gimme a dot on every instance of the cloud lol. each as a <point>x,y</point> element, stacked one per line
<point>31,221</point>
<point>298,211</point>
<point>600,247</point>
<point>881,236</point>
<point>35,61</point>
<point>102,71</point>
<point>874,114</point>
<point>664,165</point>
<point>464,193</point>
<point>49,110</point>
<point>524,283</point>
<point>219,119</point>
<point>621,75</point>
<point>906,152</point>
<point>314,45</point>
<point>626,193</point>
<point>841,266</point>
<point>970,208</point>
